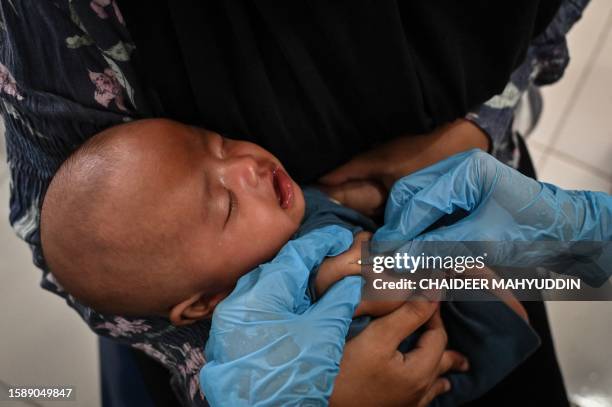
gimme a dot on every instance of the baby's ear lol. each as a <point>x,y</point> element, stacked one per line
<point>195,308</point>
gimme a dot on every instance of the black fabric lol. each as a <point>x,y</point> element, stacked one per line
<point>538,381</point>
<point>317,81</point>
<point>121,384</point>
<point>156,379</point>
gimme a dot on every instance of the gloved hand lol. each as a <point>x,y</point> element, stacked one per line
<point>502,205</point>
<point>268,345</point>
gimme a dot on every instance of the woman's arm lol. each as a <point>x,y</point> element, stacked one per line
<point>364,182</point>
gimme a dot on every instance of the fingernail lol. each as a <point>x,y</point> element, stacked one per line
<point>447,385</point>
<point>465,365</point>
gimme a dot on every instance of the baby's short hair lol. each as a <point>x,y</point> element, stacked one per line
<point>96,242</point>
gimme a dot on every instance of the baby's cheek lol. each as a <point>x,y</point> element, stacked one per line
<point>265,244</point>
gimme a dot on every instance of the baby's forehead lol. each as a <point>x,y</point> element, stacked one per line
<point>149,147</point>
<point>152,133</point>
<point>131,166</point>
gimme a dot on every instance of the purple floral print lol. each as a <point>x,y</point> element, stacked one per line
<point>108,88</point>
<point>8,84</point>
<point>99,5</point>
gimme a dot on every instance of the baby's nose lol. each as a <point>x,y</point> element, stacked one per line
<point>244,170</point>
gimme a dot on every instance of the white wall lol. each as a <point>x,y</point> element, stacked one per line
<point>572,147</point>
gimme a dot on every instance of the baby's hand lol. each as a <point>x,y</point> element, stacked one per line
<point>334,269</point>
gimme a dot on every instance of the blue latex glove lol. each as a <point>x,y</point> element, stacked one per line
<point>268,344</point>
<point>501,205</point>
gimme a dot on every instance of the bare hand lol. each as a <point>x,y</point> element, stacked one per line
<point>363,182</point>
<point>375,373</point>
<point>365,196</point>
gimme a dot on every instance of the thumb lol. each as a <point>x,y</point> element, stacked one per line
<point>418,201</point>
<point>393,328</point>
<point>356,169</point>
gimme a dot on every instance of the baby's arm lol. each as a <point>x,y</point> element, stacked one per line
<point>333,269</point>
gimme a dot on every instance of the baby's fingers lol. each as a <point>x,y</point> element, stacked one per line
<point>333,269</point>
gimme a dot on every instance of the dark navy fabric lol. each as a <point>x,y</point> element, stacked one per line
<point>120,380</point>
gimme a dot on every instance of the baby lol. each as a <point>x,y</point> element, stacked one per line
<point>157,218</point>
<point>154,217</point>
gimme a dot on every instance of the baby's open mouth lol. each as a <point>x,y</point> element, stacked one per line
<point>282,187</point>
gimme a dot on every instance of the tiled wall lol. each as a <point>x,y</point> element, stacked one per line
<point>572,147</point>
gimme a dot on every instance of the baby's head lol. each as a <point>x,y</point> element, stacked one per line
<point>154,217</point>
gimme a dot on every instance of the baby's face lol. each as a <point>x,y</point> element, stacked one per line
<point>252,207</point>
<point>225,205</point>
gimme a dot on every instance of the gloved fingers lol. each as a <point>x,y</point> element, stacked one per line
<point>339,301</point>
<point>467,229</point>
<point>404,321</point>
<point>282,282</point>
<point>459,188</point>
<point>410,220</point>
<point>313,247</point>
<point>406,187</point>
